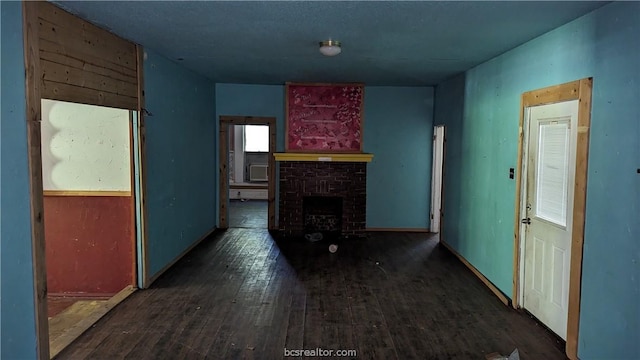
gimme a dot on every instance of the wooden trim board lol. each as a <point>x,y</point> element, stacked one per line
<point>326,157</point>
<point>482,278</point>
<point>515,299</point>
<point>83,295</point>
<point>86,193</point>
<point>552,94</point>
<point>247,120</point>
<point>247,187</point>
<point>78,329</point>
<point>414,230</point>
<point>579,206</point>
<point>143,169</point>
<point>180,256</point>
<point>223,193</point>
<point>132,203</point>
<point>444,182</point>
<point>580,90</point>
<point>271,185</point>
<point>33,103</point>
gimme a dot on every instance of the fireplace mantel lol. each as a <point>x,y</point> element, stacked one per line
<point>323,157</point>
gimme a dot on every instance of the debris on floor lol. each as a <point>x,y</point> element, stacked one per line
<point>313,237</point>
<point>515,355</point>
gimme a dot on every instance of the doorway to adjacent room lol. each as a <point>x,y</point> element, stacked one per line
<point>437,174</point>
<point>247,172</point>
<point>248,176</point>
<point>90,212</point>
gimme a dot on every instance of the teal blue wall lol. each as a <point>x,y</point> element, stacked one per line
<point>481,110</point>
<point>251,100</point>
<point>398,124</point>
<point>398,128</point>
<point>16,300</point>
<point>180,158</point>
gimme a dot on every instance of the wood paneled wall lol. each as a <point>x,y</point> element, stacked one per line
<point>83,63</point>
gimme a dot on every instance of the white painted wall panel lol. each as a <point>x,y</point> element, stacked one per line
<point>85,147</point>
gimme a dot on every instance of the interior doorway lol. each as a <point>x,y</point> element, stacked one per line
<point>71,68</point>
<point>247,172</point>
<point>437,168</point>
<point>550,204</point>
<point>89,209</point>
<point>248,176</point>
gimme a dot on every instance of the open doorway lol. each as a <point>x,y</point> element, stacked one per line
<point>247,180</point>
<point>89,207</point>
<point>437,169</point>
<point>248,176</point>
<point>63,62</point>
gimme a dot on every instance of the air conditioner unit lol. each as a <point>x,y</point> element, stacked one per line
<point>258,173</point>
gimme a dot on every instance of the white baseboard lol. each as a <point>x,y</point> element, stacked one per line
<point>252,194</point>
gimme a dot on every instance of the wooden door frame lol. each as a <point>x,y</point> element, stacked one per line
<point>223,151</point>
<point>142,162</point>
<point>34,143</point>
<point>444,173</point>
<point>576,90</point>
<point>33,98</point>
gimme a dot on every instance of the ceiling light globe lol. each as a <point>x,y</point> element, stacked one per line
<point>330,48</point>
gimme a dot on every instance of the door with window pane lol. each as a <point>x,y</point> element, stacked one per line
<point>551,143</point>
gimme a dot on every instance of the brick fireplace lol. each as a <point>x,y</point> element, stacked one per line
<point>322,195</point>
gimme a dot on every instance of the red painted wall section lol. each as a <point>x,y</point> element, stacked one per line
<point>89,244</point>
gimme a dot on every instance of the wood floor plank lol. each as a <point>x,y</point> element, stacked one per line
<point>245,294</point>
<point>251,214</point>
<point>295,323</point>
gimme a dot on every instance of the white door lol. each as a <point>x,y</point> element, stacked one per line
<point>436,178</point>
<point>549,169</point>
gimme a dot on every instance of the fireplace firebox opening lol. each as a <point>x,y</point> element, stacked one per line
<point>322,214</point>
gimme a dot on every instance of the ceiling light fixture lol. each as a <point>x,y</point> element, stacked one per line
<point>330,47</point>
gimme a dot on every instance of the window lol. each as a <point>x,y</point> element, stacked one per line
<point>553,172</point>
<point>256,138</point>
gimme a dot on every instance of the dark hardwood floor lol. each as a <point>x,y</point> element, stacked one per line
<point>242,294</point>
<point>250,214</point>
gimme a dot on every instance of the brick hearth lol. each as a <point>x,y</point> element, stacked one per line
<point>299,179</point>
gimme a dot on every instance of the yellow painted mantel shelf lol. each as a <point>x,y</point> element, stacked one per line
<point>333,157</point>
